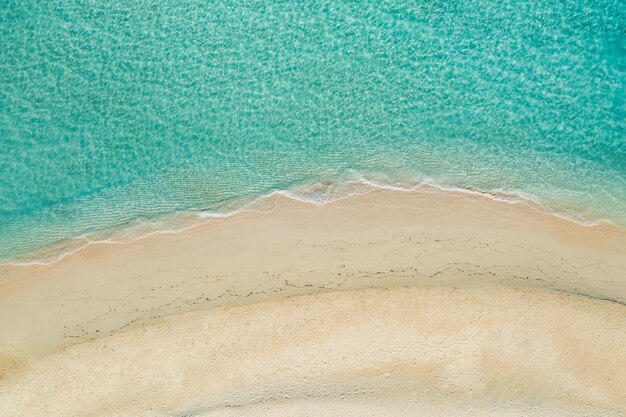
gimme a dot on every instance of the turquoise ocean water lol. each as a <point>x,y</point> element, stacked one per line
<point>123,111</point>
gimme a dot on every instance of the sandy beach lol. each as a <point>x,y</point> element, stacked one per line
<point>428,303</point>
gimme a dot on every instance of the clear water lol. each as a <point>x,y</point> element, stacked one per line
<point>117,111</point>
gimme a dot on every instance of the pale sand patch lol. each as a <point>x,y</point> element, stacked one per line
<point>550,350</point>
<point>414,350</point>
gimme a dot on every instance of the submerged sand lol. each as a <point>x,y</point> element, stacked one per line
<point>390,303</point>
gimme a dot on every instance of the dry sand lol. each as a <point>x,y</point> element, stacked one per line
<point>390,303</point>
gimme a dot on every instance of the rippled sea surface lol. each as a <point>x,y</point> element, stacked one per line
<point>112,112</point>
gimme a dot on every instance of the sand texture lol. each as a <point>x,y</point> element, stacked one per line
<point>427,303</point>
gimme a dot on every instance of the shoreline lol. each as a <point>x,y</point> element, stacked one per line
<point>410,217</point>
<point>170,223</point>
<point>488,271</point>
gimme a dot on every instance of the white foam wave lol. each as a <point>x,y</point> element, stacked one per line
<point>319,194</point>
<point>208,214</point>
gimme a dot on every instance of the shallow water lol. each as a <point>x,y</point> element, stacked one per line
<point>113,113</point>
